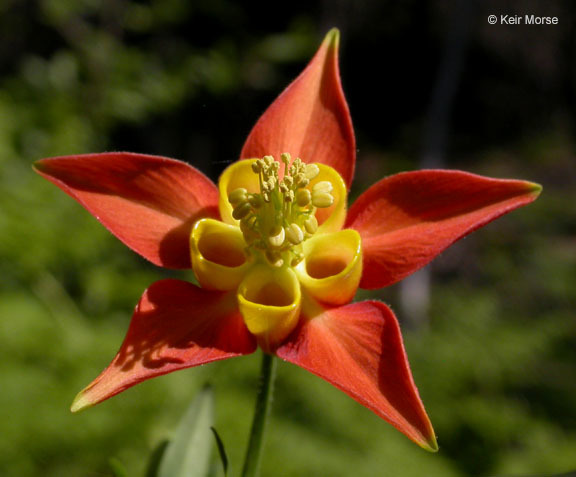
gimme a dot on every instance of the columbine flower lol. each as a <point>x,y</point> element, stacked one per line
<point>277,255</point>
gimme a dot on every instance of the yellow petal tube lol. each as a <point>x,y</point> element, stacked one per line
<point>218,254</point>
<point>332,266</point>
<point>331,219</point>
<point>239,174</point>
<point>269,300</point>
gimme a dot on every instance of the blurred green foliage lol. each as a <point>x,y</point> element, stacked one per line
<point>495,365</point>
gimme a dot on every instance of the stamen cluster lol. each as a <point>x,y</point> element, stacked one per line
<point>279,218</point>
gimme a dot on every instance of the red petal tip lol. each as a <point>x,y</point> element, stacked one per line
<point>407,219</point>
<point>310,119</point>
<point>176,325</point>
<point>358,348</point>
<point>148,202</point>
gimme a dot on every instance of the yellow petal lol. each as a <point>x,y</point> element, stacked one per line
<point>331,219</point>
<point>218,254</point>
<point>269,299</point>
<point>237,175</point>
<point>332,266</point>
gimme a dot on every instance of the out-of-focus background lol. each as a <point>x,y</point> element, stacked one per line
<point>489,328</point>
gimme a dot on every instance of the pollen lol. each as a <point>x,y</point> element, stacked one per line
<point>276,220</point>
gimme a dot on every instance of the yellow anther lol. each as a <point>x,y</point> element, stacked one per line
<point>294,234</point>
<point>300,180</point>
<point>241,210</point>
<point>247,228</point>
<point>298,257</point>
<point>288,201</point>
<point>303,197</point>
<point>311,224</point>
<point>277,236</point>
<point>255,200</point>
<point>311,171</point>
<point>274,258</point>
<point>298,166</point>
<point>323,186</point>
<point>237,196</point>
<point>322,199</point>
<point>247,223</point>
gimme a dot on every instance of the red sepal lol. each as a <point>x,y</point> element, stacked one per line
<point>407,219</point>
<point>176,325</point>
<point>148,202</point>
<point>310,119</point>
<point>358,348</point>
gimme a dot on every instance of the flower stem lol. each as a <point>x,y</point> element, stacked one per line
<point>263,401</point>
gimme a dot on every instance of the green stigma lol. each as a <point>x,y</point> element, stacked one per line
<point>281,216</point>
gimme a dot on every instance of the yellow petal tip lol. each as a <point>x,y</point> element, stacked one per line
<point>38,166</point>
<point>80,403</point>
<point>535,188</point>
<point>332,38</point>
<point>431,445</point>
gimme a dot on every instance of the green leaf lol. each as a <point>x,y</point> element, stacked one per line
<point>188,454</point>
<point>117,467</point>
<point>155,459</point>
<point>221,450</point>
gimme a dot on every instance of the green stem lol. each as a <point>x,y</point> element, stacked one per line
<point>263,401</point>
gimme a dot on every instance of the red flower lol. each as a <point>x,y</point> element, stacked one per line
<point>276,254</point>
